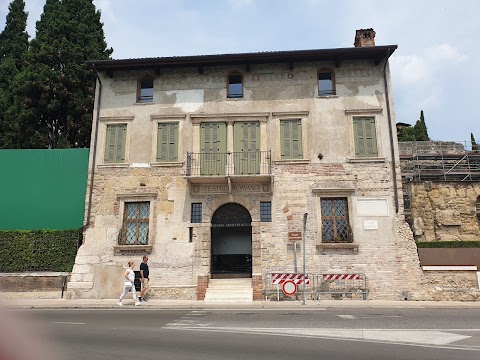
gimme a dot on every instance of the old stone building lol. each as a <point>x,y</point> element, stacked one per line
<point>209,164</point>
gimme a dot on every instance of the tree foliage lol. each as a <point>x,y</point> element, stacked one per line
<point>416,133</point>
<point>54,93</point>
<point>475,146</point>
<point>13,48</point>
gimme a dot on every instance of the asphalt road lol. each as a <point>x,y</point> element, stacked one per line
<point>330,333</point>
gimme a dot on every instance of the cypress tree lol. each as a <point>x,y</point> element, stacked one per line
<point>13,48</point>
<point>55,92</point>
<point>420,129</point>
<point>475,146</point>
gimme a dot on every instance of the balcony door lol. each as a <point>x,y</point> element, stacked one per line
<point>213,140</point>
<point>246,147</point>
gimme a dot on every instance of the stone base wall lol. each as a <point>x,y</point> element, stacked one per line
<point>172,292</point>
<point>450,286</point>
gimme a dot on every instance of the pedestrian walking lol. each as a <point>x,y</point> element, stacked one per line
<point>128,284</point>
<point>144,273</point>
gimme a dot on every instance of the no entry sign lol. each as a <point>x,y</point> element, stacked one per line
<point>289,287</point>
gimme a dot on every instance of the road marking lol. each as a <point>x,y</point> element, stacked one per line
<point>349,317</point>
<point>67,323</point>
<point>414,337</point>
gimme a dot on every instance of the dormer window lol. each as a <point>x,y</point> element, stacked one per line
<point>326,83</point>
<point>235,86</point>
<point>145,90</point>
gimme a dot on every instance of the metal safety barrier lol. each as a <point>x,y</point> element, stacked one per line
<point>340,286</point>
<point>273,283</point>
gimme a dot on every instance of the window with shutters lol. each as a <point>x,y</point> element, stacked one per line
<point>326,83</point>
<point>235,86</point>
<point>145,89</point>
<point>167,142</point>
<point>291,139</point>
<point>246,147</point>
<point>365,137</point>
<point>135,223</point>
<point>213,148</point>
<point>115,143</point>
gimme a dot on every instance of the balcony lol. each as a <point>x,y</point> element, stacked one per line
<point>245,166</point>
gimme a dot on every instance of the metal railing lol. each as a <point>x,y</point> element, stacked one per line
<point>229,163</point>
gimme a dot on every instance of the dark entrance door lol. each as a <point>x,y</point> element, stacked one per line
<point>231,242</point>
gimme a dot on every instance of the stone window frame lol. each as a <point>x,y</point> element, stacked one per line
<point>374,113</point>
<point>137,197</point>
<point>297,115</point>
<point>232,96</point>
<point>326,70</point>
<point>102,138</point>
<point>335,193</point>
<point>140,80</point>
<point>158,119</point>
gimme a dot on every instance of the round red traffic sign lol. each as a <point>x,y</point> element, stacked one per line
<point>289,287</point>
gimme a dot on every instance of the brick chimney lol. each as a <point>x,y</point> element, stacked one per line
<point>364,37</point>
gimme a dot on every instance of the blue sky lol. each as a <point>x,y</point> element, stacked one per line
<point>435,68</point>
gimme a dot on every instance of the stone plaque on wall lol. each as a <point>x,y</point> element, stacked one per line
<point>200,189</point>
<point>370,225</point>
<point>372,207</point>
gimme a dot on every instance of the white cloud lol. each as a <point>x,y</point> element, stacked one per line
<point>427,65</point>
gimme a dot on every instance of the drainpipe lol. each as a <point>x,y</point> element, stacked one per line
<point>390,130</point>
<point>97,120</point>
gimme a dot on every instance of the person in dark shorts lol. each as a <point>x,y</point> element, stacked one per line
<point>144,278</point>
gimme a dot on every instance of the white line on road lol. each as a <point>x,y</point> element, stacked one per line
<point>67,323</point>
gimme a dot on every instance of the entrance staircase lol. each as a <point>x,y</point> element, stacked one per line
<point>229,291</point>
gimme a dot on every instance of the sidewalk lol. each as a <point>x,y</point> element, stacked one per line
<point>193,304</point>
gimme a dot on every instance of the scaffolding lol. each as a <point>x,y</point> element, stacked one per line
<point>439,161</point>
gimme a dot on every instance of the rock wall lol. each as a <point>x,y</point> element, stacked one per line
<point>444,211</point>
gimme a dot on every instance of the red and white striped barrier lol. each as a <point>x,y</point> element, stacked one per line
<point>279,278</point>
<point>331,277</point>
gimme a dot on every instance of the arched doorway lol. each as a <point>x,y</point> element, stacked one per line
<point>231,242</point>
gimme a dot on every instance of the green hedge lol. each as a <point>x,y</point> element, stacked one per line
<point>38,250</point>
<point>448,244</point>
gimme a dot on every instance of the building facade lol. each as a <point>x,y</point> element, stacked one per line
<point>210,164</point>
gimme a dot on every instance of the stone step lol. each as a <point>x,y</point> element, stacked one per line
<point>229,290</point>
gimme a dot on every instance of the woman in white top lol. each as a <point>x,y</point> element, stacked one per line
<point>129,278</point>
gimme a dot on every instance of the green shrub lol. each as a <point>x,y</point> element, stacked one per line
<point>448,244</point>
<point>38,250</point>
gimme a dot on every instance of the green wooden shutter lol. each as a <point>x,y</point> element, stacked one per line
<point>365,137</point>
<point>246,147</point>
<point>297,151</point>
<point>291,139</point>
<point>121,142</point>
<point>285,139</point>
<point>167,142</point>
<point>110,145</point>
<point>213,147</point>
<point>370,138</point>
<point>115,143</point>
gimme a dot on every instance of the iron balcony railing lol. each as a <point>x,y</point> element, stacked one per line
<point>229,163</point>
